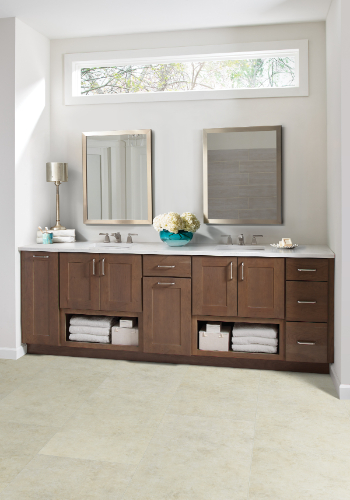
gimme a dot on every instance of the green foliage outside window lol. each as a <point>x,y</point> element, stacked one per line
<point>270,72</point>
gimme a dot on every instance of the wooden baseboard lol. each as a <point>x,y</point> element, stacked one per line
<point>257,364</point>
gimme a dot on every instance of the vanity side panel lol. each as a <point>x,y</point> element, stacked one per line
<point>331,265</point>
<point>40,298</point>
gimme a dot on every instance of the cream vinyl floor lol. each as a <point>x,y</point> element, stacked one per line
<point>83,429</point>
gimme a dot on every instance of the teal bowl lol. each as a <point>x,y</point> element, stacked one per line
<point>175,239</point>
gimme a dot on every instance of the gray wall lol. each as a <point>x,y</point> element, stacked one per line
<point>177,135</point>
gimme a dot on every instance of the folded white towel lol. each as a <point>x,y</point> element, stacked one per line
<point>90,330</point>
<point>255,330</point>
<point>99,321</point>
<point>60,232</point>
<point>253,340</point>
<point>58,239</point>
<point>81,337</point>
<point>255,348</point>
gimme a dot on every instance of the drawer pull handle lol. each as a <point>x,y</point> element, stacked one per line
<point>307,302</point>
<point>167,266</point>
<point>305,343</point>
<point>159,283</point>
<point>311,270</point>
<point>41,256</point>
<point>103,267</point>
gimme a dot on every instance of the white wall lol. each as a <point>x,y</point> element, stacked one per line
<point>34,195</point>
<point>338,177</point>
<point>177,135</point>
<point>24,145</point>
<point>7,186</point>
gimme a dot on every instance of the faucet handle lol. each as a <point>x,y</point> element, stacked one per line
<point>106,235</point>
<point>255,236</point>
<point>129,238</point>
<point>117,237</point>
<point>229,238</point>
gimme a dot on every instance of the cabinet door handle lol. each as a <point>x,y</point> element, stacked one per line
<point>311,270</point>
<point>242,271</point>
<point>166,266</point>
<point>231,271</point>
<point>305,343</point>
<point>93,267</point>
<point>159,283</point>
<point>41,256</point>
<point>103,267</point>
<point>307,302</point>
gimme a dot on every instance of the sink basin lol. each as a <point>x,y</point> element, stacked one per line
<point>240,248</point>
<point>114,245</point>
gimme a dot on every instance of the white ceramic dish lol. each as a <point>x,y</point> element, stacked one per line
<point>276,245</point>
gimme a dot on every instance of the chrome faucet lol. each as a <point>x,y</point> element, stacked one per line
<point>106,235</point>
<point>117,237</point>
<point>229,238</point>
<point>129,238</point>
<point>255,236</point>
<point>241,239</point>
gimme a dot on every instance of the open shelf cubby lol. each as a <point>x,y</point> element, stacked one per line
<point>66,315</point>
<point>199,321</point>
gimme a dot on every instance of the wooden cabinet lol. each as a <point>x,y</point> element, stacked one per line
<point>306,342</point>
<point>39,291</point>
<point>121,282</point>
<point>167,315</point>
<point>79,281</point>
<point>100,282</point>
<point>261,287</point>
<point>214,286</point>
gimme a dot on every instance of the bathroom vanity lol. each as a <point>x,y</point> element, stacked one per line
<point>173,291</point>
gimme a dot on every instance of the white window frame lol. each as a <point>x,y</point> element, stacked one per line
<point>74,62</point>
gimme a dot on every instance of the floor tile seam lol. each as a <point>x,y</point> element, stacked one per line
<point>150,440</point>
<point>198,415</point>
<point>253,443</point>
<point>306,450</point>
<point>13,480</point>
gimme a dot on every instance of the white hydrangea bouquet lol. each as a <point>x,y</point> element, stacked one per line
<point>176,229</point>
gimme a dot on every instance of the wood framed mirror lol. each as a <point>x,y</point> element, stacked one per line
<point>242,175</point>
<point>117,177</point>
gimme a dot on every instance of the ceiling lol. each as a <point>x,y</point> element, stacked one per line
<point>79,18</point>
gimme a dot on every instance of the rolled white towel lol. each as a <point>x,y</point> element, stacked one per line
<point>253,340</point>
<point>82,337</point>
<point>90,330</point>
<point>255,348</point>
<point>60,232</point>
<point>255,330</point>
<point>99,321</point>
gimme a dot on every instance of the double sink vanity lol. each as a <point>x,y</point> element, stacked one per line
<point>174,291</point>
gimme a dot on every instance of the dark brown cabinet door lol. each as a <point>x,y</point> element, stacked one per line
<point>214,289</point>
<point>121,277</point>
<point>167,315</point>
<point>39,290</point>
<point>261,287</point>
<point>79,280</point>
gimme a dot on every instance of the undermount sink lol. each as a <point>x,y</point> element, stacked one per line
<point>114,245</point>
<point>240,248</point>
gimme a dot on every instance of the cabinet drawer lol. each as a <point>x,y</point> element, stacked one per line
<point>306,342</point>
<point>167,265</point>
<point>306,301</point>
<point>307,269</point>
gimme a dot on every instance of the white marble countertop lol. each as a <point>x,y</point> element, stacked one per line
<point>303,251</point>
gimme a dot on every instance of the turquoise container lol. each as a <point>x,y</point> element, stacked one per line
<point>175,239</point>
<point>47,238</point>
